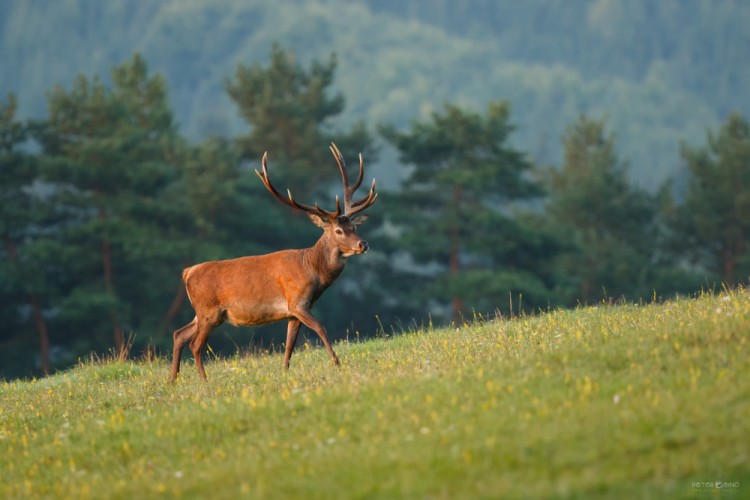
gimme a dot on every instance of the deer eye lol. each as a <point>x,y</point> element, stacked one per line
<point>339,231</point>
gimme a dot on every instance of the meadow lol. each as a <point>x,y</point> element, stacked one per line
<point>626,401</point>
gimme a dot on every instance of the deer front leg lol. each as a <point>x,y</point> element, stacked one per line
<point>204,328</point>
<point>291,339</point>
<point>309,321</point>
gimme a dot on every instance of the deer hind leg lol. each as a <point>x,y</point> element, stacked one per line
<point>204,328</point>
<point>291,338</point>
<point>181,337</point>
<point>309,321</point>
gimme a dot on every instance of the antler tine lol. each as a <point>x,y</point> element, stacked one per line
<point>351,189</point>
<point>342,167</point>
<point>316,209</point>
<point>291,201</point>
<point>266,182</point>
<point>361,174</point>
<point>351,207</point>
<point>365,202</point>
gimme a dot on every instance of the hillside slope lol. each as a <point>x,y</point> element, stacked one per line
<point>619,401</point>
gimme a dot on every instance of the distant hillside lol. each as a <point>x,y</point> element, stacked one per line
<point>660,72</point>
<point>694,45</point>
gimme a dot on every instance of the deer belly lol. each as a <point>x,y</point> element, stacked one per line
<point>257,314</point>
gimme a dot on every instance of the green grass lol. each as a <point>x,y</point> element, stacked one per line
<point>619,401</point>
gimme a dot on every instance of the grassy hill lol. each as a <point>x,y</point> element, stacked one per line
<point>623,401</point>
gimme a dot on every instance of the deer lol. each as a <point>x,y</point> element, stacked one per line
<point>283,285</point>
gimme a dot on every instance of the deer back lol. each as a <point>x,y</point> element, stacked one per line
<point>249,290</point>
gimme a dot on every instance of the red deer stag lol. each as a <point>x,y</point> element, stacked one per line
<point>262,289</point>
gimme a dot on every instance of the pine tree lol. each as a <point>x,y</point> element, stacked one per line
<point>713,221</point>
<point>20,217</point>
<point>289,112</point>
<point>455,214</point>
<point>109,155</point>
<point>607,225</point>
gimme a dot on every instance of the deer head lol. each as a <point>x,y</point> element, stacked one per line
<point>339,229</point>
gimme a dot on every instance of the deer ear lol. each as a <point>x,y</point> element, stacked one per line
<point>359,219</point>
<point>318,220</point>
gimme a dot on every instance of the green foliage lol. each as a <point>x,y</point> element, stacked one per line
<point>625,401</point>
<point>289,114</point>
<point>109,154</point>
<point>454,213</point>
<point>17,171</point>
<point>214,200</point>
<point>712,221</point>
<point>24,291</point>
<point>607,226</point>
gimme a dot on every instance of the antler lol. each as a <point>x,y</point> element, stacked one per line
<point>350,207</point>
<point>353,207</point>
<point>290,201</point>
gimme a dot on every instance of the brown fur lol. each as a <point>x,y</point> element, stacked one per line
<point>263,289</point>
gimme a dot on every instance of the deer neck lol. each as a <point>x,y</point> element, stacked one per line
<point>327,259</point>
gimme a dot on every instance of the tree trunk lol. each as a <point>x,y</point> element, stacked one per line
<point>585,290</point>
<point>456,304</point>
<point>41,328</point>
<point>730,256</point>
<point>729,265</point>
<point>36,312</point>
<point>110,288</point>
